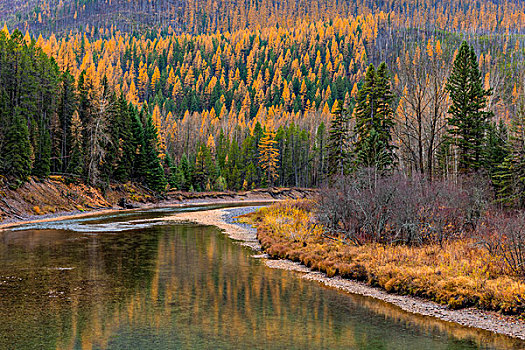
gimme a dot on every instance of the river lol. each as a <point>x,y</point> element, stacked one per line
<point>128,281</point>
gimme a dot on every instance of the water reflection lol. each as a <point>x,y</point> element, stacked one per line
<point>188,287</point>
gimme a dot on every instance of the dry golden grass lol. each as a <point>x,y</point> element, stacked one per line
<point>37,210</point>
<point>459,273</point>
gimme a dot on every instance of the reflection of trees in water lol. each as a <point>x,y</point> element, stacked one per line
<point>431,325</point>
<point>52,307</point>
<point>205,285</point>
<point>187,284</point>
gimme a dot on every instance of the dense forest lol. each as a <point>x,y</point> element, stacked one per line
<point>198,17</point>
<point>51,123</point>
<point>259,105</point>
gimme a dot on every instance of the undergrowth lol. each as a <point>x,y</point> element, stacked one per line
<point>457,273</point>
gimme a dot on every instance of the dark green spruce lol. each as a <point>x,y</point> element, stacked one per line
<point>468,118</point>
<point>338,142</point>
<point>374,120</point>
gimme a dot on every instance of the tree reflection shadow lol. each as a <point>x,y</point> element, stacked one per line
<point>186,286</point>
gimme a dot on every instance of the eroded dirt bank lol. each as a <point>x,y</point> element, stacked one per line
<point>56,195</point>
<point>489,321</point>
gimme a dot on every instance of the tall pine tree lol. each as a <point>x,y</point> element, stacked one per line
<point>15,155</point>
<point>374,121</point>
<point>468,116</point>
<point>154,173</point>
<point>509,176</point>
<point>337,142</point>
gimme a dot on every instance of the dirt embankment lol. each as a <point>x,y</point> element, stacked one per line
<point>57,197</point>
<point>252,195</point>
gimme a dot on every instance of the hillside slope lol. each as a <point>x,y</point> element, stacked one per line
<point>56,195</point>
<point>191,16</point>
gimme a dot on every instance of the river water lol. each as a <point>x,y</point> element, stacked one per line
<point>127,281</point>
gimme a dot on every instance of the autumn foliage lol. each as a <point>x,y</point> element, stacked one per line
<point>457,273</point>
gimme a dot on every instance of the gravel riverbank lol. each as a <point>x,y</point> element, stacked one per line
<point>247,235</point>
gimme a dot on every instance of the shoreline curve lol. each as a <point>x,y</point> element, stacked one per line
<point>470,317</point>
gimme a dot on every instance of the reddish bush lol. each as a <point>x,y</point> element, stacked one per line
<point>504,237</point>
<point>396,209</point>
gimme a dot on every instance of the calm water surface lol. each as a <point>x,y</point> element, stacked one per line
<point>126,282</point>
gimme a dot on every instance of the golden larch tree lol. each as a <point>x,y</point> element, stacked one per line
<point>269,154</point>
<point>155,78</point>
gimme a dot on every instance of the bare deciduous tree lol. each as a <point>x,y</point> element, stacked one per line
<point>421,114</point>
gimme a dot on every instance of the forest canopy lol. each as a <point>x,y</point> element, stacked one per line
<point>233,104</point>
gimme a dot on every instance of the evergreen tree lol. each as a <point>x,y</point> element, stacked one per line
<point>154,173</point>
<point>468,118</point>
<point>374,121</point>
<point>170,171</point>
<point>496,147</point>
<point>249,159</point>
<point>42,162</point>
<point>287,150</point>
<point>233,171</point>
<point>222,150</point>
<point>47,78</point>
<point>303,157</point>
<point>510,179</point>
<point>138,169</point>
<point>320,155</point>
<point>509,176</point>
<point>220,184</point>
<point>187,173</point>
<point>337,142</point>
<point>204,168</point>
<point>28,91</point>
<point>258,134</point>
<point>15,155</point>
<point>179,181</point>
<point>66,108</point>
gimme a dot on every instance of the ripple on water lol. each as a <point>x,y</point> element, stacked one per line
<point>91,228</point>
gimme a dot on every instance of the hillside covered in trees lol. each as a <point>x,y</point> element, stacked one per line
<point>198,17</point>
<point>242,104</point>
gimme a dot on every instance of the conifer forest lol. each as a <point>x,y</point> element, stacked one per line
<point>374,149</point>
<point>240,95</point>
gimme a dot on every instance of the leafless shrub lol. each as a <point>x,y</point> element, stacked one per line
<point>504,237</point>
<point>474,200</point>
<point>396,209</point>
